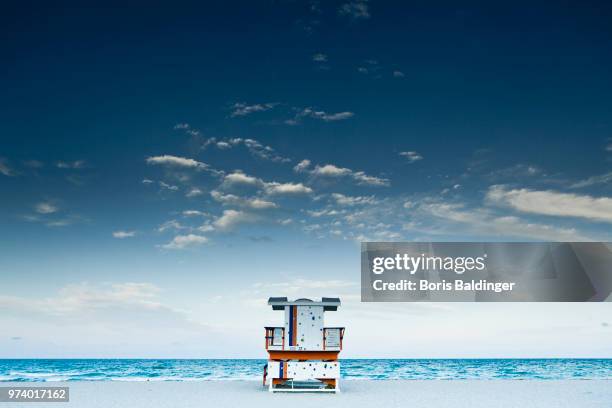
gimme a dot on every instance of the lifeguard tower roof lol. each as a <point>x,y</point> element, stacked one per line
<point>279,303</point>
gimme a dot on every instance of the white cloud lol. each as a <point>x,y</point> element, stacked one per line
<point>194,192</point>
<point>171,225</point>
<point>59,223</point>
<point>398,74</point>
<point>239,178</point>
<point>364,179</point>
<point>256,148</point>
<point>594,180</point>
<point>552,203</point>
<point>194,213</point>
<point>345,200</point>
<point>124,234</point>
<point>302,166</point>
<point>326,212</point>
<point>259,204</point>
<point>185,241</point>
<point>482,222</point>
<point>231,218</point>
<point>319,57</point>
<point>356,10</point>
<point>78,164</point>
<point>206,227</point>
<point>188,129</point>
<point>518,171</point>
<point>411,156</point>
<point>167,186</point>
<point>301,286</point>
<point>274,188</point>
<point>147,181</point>
<point>231,199</point>
<point>78,301</point>
<point>609,148</point>
<point>330,170</point>
<point>176,161</point>
<point>318,114</point>
<point>5,169</point>
<point>243,109</point>
<point>45,208</point>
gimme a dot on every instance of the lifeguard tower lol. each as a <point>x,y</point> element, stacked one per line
<point>303,354</point>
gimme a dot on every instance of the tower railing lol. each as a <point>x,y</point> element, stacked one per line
<point>332,338</point>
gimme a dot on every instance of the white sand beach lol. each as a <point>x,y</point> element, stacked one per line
<point>355,394</point>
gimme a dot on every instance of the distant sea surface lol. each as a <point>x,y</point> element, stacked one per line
<point>202,370</point>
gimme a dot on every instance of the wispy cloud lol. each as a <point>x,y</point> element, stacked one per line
<point>255,148</point>
<point>302,166</point>
<point>481,221</point>
<point>176,161</point>
<point>552,203</point>
<point>194,213</point>
<point>594,180</point>
<point>319,57</point>
<point>366,180</point>
<point>312,113</point>
<point>5,169</point>
<point>194,192</point>
<point>171,225</point>
<point>411,156</point>
<point>34,164</point>
<point>239,178</point>
<point>345,200</point>
<point>244,109</point>
<point>333,171</point>
<point>124,234</point>
<point>302,286</point>
<point>370,66</point>
<point>188,129</point>
<point>356,10</point>
<point>398,74</point>
<point>60,223</point>
<point>46,208</point>
<point>186,241</point>
<point>167,186</point>
<point>77,164</point>
<point>254,203</point>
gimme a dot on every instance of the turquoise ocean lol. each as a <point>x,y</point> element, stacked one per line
<point>351,369</point>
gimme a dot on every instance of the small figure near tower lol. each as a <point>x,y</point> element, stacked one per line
<point>303,354</point>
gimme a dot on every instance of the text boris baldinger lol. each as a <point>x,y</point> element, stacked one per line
<point>459,285</point>
<point>486,271</point>
<point>412,264</point>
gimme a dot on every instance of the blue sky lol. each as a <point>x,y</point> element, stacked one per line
<point>173,167</point>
